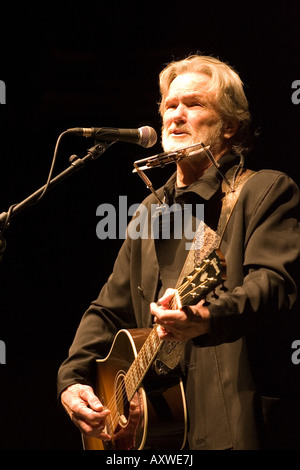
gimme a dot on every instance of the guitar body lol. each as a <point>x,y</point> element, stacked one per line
<point>158,419</point>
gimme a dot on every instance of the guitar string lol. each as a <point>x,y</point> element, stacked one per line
<point>115,405</point>
<point>121,393</point>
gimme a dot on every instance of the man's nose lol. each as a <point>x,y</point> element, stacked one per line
<point>179,114</point>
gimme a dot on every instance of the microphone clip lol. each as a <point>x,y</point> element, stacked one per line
<point>99,148</point>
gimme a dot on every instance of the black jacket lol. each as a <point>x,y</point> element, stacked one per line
<point>240,374</point>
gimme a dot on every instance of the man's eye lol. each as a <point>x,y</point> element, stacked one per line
<point>195,103</point>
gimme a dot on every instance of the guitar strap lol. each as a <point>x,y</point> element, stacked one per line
<point>205,241</point>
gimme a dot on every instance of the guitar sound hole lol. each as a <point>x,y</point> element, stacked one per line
<point>126,417</point>
<point>122,403</point>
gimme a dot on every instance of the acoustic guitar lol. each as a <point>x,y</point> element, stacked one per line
<point>148,410</point>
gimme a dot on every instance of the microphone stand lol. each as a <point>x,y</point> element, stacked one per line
<point>76,164</point>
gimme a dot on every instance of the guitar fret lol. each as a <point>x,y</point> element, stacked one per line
<point>141,364</point>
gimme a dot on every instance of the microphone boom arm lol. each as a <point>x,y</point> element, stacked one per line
<point>76,163</point>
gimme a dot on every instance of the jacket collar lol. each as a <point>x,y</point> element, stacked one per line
<point>207,185</point>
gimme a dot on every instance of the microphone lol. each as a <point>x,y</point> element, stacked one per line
<point>145,136</point>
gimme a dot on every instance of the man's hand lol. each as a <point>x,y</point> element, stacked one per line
<point>86,411</point>
<point>180,324</point>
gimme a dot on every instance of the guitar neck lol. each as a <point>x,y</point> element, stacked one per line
<point>146,356</point>
<point>142,363</point>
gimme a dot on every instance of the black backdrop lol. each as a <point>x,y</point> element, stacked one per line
<point>66,66</point>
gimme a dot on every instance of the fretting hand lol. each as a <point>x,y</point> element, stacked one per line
<point>182,323</point>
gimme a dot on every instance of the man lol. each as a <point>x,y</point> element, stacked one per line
<point>234,364</point>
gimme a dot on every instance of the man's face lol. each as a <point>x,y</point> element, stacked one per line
<point>189,114</point>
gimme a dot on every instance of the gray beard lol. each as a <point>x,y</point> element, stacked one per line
<point>213,138</point>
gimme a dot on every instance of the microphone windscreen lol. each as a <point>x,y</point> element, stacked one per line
<point>148,137</point>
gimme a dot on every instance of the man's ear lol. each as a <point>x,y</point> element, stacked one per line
<point>230,128</point>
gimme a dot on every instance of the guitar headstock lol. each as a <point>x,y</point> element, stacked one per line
<point>203,279</point>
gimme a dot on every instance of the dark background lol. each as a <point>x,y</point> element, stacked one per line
<point>70,65</point>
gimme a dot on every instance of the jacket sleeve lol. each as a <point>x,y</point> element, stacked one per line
<point>116,307</point>
<point>270,262</point>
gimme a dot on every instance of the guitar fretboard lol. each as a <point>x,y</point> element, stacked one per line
<point>142,362</point>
